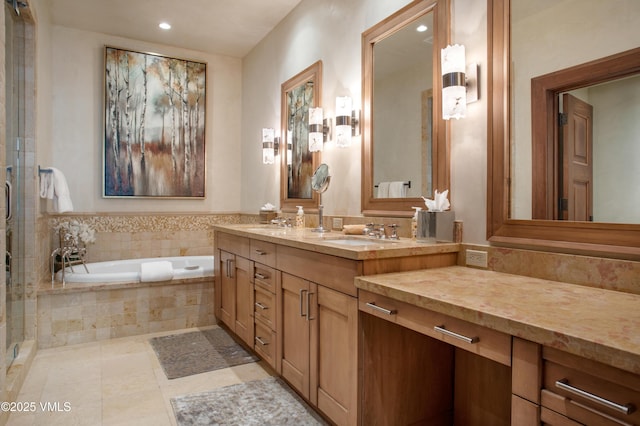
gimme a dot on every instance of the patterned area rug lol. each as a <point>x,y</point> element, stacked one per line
<point>198,352</point>
<point>261,402</point>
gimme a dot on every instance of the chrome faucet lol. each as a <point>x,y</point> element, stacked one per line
<point>68,248</point>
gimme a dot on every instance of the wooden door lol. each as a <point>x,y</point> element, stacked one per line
<point>244,299</point>
<point>334,354</point>
<point>227,289</point>
<point>576,176</point>
<point>295,331</point>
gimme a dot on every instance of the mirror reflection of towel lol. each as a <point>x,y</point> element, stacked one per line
<point>397,190</point>
<point>383,189</point>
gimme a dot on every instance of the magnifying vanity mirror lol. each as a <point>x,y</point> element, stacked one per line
<point>405,152</point>
<point>298,94</point>
<point>560,181</point>
<point>319,183</point>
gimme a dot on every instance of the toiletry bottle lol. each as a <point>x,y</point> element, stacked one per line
<point>300,217</point>
<point>414,223</point>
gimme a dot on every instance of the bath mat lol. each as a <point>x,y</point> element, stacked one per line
<point>261,402</point>
<point>198,352</point>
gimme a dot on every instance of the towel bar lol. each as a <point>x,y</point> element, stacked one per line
<point>407,184</point>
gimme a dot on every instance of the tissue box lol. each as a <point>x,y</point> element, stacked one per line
<point>435,226</point>
<point>266,216</point>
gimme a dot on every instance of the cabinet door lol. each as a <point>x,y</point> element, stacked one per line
<point>294,299</point>
<point>334,354</point>
<point>227,289</point>
<point>244,299</point>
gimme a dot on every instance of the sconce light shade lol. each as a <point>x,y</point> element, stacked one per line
<point>316,136</point>
<point>454,98</point>
<point>268,146</point>
<point>343,121</point>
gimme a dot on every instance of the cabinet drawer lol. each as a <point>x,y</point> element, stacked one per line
<point>462,334</point>
<point>265,307</point>
<point>265,343</point>
<point>588,391</point>
<point>232,244</point>
<point>265,277</point>
<point>263,252</point>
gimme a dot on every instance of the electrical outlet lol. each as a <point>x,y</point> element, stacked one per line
<point>337,223</point>
<point>477,258</point>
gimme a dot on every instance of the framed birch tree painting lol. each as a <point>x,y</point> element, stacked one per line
<point>154,126</point>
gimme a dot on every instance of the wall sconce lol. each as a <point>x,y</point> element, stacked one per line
<point>269,147</point>
<point>459,82</point>
<point>319,130</point>
<point>347,121</point>
<point>454,97</point>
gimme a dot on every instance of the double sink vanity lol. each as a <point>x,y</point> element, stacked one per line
<point>393,332</point>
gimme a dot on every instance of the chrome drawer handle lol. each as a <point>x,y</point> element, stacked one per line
<point>624,409</point>
<point>260,252</point>
<point>262,342</point>
<point>470,340</point>
<point>373,305</point>
<point>260,276</point>
<point>261,306</point>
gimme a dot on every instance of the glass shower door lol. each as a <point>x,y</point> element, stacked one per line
<point>14,183</point>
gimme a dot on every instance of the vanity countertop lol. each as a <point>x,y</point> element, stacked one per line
<point>594,323</point>
<point>362,248</point>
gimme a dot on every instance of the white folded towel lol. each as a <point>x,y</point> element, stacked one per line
<point>397,190</point>
<point>383,189</point>
<point>161,270</point>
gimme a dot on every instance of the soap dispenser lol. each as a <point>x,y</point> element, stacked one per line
<point>300,217</point>
<point>414,223</point>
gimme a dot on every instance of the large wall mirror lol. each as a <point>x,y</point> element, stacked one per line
<point>298,164</point>
<point>563,128</point>
<point>405,152</point>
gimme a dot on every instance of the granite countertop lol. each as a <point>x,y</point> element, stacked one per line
<point>362,247</point>
<point>598,324</point>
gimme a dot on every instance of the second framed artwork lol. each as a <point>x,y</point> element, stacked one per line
<point>154,126</point>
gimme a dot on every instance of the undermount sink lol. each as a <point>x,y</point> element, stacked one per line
<point>359,242</point>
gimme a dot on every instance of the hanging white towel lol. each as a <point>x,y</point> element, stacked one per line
<point>397,190</point>
<point>161,270</point>
<point>46,185</point>
<point>383,190</point>
<point>62,200</point>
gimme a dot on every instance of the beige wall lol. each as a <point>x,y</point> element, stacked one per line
<point>331,31</point>
<point>70,118</point>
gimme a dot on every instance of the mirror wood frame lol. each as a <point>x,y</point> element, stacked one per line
<point>401,207</point>
<point>594,238</point>
<point>312,73</point>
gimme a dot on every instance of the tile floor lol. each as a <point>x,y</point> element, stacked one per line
<point>112,382</point>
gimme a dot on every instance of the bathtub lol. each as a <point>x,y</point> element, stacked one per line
<point>129,270</point>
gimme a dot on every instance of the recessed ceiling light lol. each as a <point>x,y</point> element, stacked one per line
<point>421,28</point>
<point>165,26</point>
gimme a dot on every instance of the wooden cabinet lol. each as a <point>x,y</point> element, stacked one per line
<point>319,329</point>
<point>298,310</point>
<point>420,366</point>
<point>576,390</point>
<point>234,286</point>
<point>265,313</point>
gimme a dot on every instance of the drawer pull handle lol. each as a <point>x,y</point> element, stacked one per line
<point>261,306</point>
<point>261,252</point>
<point>624,409</point>
<point>373,305</point>
<point>302,293</point>
<point>470,340</point>
<point>262,342</point>
<point>260,276</point>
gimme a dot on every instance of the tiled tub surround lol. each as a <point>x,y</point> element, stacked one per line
<point>103,311</point>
